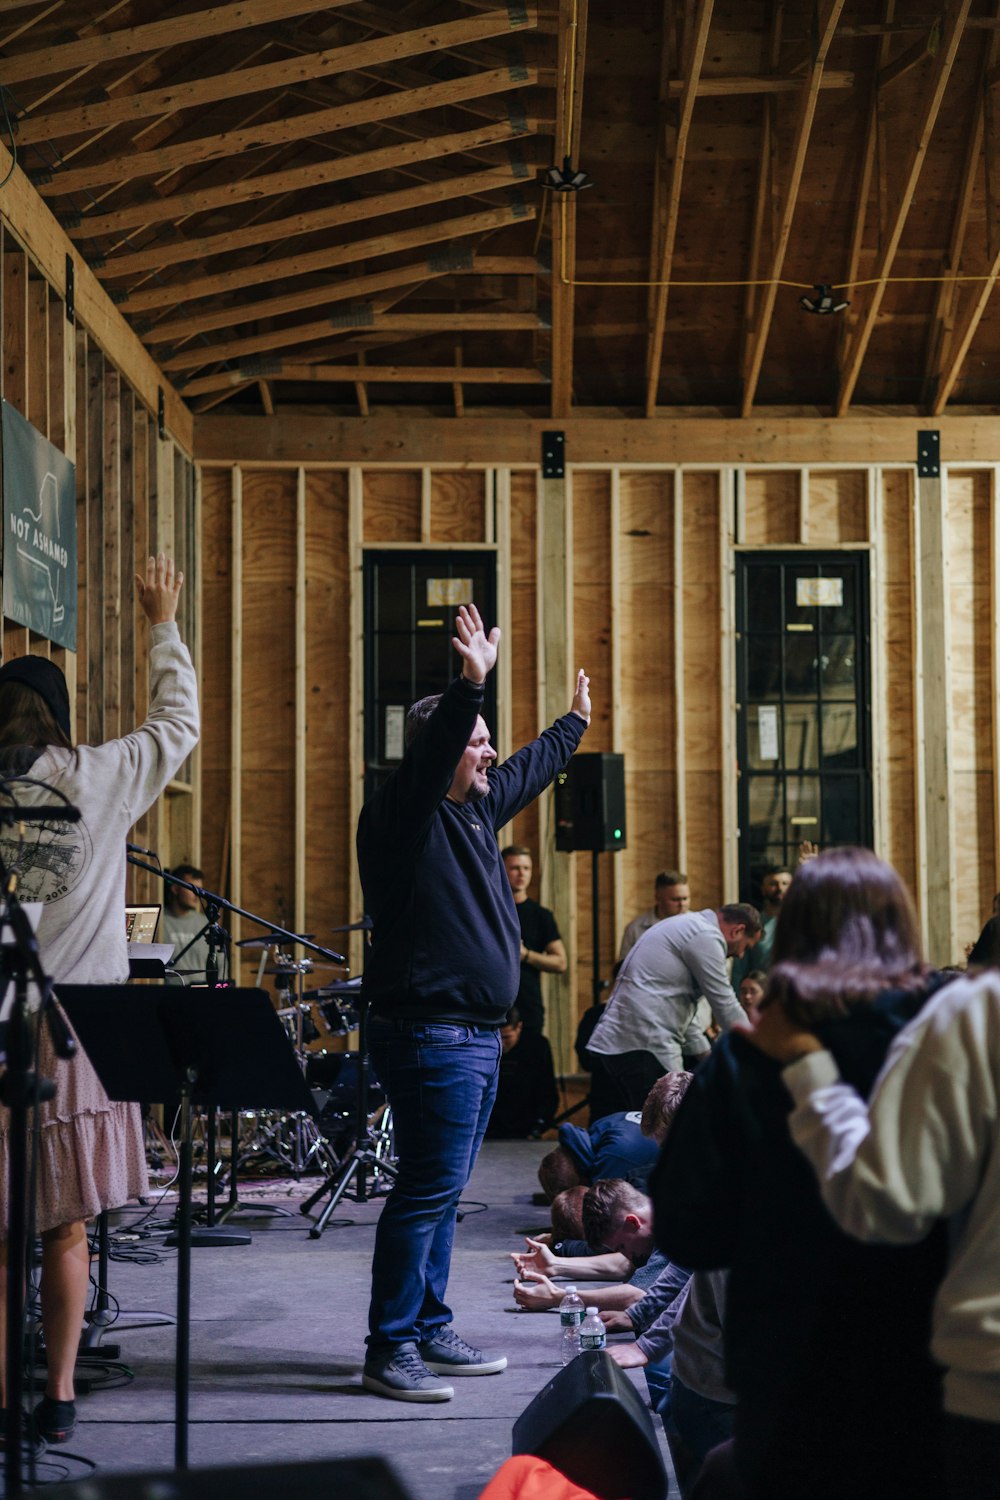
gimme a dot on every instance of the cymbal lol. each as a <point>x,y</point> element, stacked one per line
<point>347,989</point>
<point>302,966</point>
<point>365,925</point>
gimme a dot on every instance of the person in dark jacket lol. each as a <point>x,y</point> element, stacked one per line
<point>826,1340</point>
<point>441,976</point>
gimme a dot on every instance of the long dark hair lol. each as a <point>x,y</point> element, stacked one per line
<point>846,930</point>
<point>27,726</point>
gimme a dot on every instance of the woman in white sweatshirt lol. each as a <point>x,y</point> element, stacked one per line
<point>924,1148</point>
<point>91,1153</point>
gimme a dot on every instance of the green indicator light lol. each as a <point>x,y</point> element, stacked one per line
<point>618,833</point>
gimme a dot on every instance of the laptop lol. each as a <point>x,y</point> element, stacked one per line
<point>141,923</point>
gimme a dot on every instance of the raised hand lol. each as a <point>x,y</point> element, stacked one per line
<point>581,698</point>
<point>159,590</point>
<point>477,649</point>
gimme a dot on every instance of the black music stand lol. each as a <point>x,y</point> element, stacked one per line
<point>224,1045</point>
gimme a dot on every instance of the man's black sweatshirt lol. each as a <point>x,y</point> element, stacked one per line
<point>446,939</point>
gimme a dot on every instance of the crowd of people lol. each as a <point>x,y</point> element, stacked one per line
<point>784,1207</point>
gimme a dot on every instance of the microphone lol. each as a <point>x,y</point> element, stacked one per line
<point>138,849</point>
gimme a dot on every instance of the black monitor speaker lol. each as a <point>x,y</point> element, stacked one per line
<point>592,1425</point>
<point>590,803</point>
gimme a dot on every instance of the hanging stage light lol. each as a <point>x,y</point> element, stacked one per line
<point>823,301</point>
<point>565,179</point>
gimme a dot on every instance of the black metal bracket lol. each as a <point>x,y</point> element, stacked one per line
<point>161,413</point>
<point>553,455</point>
<point>929,455</point>
<point>70,291</point>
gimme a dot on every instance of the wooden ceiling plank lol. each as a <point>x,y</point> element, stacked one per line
<point>963,336</point>
<point>763,203</point>
<point>952,29</point>
<point>271,230</point>
<point>912,57</point>
<point>325,259</point>
<point>27,25</point>
<point>315,296</point>
<point>829,15</point>
<point>304,333</point>
<point>695,44</point>
<point>284,73</point>
<point>285,131</point>
<point>764,83</point>
<point>204,200</point>
<point>569,116</point>
<point>364,374</point>
<point>943,318</point>
<point>107,46</point>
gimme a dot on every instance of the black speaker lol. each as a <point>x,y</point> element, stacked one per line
<point>590,1423</point>
<point>358,1478</point>
<point>590,803</point>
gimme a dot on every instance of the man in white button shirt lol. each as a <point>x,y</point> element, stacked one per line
<point>641,1034</point>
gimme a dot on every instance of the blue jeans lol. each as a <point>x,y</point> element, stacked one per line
<point>441,1080</point>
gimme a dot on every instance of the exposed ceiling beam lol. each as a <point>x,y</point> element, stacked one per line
<point>323,260</point>
<point>203,200</point>
<point>695,43</point>
<point>106,46</point>
<point>365,374</point>
<point>270,231</point>
<point>931,97</point>
<point>284,73</point>
<point>569,119</point>
<point>912,57</point>
<point>766,83</point>
<point>762,226</point>
<point>232,143</point>
<point>363,320</point>
<point>826,24</point>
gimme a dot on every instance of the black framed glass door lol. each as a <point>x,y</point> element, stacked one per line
<point>411,599</point>
<point>803,673</point>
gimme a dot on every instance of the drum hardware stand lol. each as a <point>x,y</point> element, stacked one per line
<point>372,1148</point>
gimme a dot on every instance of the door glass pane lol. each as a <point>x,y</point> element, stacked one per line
<point>842,810</point>
<point>841,617</point>
<point>392,663</point>
<point>394,608</point>
<point>803,793</point>
<point>801,737</point>
<point>841,750</point>
<point>800,666</point>
<point>762,611</point>
<point>763,667</point>
<point>838,666</point>
<point>766,811</point>
<point>803,615</point>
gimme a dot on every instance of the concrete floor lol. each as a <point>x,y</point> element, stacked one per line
<point>277,1346</point>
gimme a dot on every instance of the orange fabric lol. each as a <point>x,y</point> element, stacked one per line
<point>528,1478</point>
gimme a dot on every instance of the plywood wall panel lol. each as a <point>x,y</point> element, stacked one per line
<point>216,686</point>
<point>896,567</point>
<point>458,506</point>
<point>771,507</point>
<point>592,624</point>
<point>392,505</point>
<point>328,835</point>
<point>837,507</point>
<point>523,644</point>
<point>701,595</point>
<point>972,631</point>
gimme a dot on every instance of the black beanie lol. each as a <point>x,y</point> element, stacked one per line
<point>48,682</point>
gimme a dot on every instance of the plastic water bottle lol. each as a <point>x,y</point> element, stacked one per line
<point>570,1319</point>
<point>593,1334</point>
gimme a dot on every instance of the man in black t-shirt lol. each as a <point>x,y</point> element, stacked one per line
<point>542,951</point>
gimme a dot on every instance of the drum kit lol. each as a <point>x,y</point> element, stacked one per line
<point>316,1020</point>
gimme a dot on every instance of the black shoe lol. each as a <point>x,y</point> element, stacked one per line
<point>54,1420</point>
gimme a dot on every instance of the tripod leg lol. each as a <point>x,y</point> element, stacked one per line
<point>354,1163</point>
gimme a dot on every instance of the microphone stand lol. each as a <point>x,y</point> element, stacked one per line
<point>22,1090</point>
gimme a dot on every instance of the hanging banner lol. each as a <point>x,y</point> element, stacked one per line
<point>39,531</point>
